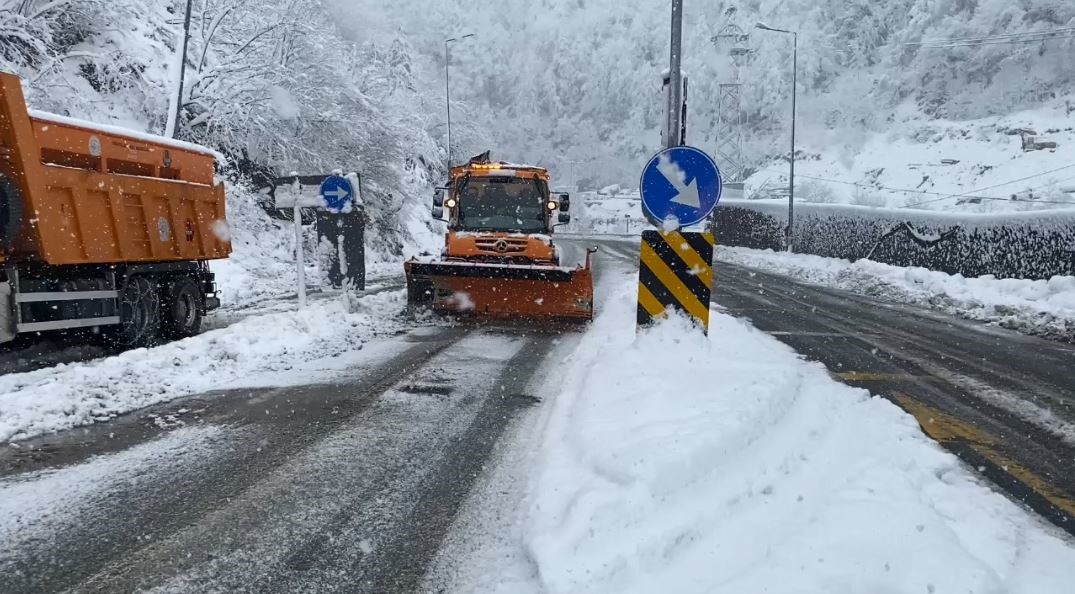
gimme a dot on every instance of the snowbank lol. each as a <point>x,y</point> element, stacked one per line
<point>275,349</point>
<point>1043,307</point>
<point>672,462</point>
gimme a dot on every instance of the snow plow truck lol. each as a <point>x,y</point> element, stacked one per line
<point>499,260</point>
<point>103,228</point>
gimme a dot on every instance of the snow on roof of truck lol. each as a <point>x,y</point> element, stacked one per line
<point>125,132</point>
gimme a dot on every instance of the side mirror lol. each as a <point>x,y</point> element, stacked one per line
<point>438,213</point>
<point>565,202</point>
<point>438,197</point>
<point>563,217</point>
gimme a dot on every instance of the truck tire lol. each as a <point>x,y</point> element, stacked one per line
<point>139,314</point>
<point>11,208</point>
<point>181,308</point>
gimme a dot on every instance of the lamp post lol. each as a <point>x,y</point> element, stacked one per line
<point>448,91</point>
<point>794,93</point>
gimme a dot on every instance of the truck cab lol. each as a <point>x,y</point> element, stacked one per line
<point>500,212</point>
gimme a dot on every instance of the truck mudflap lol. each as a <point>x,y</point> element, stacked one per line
<point>502,291</point>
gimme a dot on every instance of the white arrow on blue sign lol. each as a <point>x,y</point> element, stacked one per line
<point>680,183</point>
<point>337,193</point>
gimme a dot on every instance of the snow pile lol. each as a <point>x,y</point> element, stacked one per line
<point>1043,307</point>
<point>672,462</point>
<point>275,349</point>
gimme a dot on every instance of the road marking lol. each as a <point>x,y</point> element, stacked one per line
<point>871,376</point>
<point>792,333</point>
<point>945,428</point>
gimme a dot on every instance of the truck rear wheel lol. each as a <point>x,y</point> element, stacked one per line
<point>182,309</point>
<point>139,314</point>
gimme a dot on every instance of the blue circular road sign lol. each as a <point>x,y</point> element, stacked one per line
<point>337,193</point>
<point>681,182</point>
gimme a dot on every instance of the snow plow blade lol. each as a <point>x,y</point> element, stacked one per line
<point>502,291</point>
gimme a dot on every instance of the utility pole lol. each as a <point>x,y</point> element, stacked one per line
<point>675,78</point>
<point>176,101</point>
<point>448,92</point>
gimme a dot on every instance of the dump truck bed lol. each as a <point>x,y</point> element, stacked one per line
<point>88,194</point>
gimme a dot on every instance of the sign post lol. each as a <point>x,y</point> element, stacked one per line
<point>300,264</point>
<point>680,187</point>
<point>335,194</point>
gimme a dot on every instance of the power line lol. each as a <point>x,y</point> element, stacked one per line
<point>972,194</point>
<point>1026,37</point>
<point>885,188</point>
<point>990,37</point>
<point>1056,181</point>
<point>999,42</point>
<point>996,37</point>
<point>1015,181</point>
<point>1027,200</point>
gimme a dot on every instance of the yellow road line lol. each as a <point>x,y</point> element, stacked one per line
<point>671,282</point>
<point>871,376</point>
<point>945,428</point>
<point>694,261</point>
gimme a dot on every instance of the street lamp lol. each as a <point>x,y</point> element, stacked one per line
<point>448,92</point>
<point>794,93</point>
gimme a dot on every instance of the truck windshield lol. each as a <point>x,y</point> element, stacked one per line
<point>502,204</point>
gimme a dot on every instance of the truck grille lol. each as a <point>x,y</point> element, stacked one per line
<point>501,245</point>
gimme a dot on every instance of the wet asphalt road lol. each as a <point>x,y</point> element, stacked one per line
<point>343,487</point>
<point>308,489</point>
<point>351,487</point>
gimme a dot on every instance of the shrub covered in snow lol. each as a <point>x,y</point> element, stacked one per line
<point>1033,245</point>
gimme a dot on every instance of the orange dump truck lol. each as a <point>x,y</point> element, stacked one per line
<point>103,228</point>
<point>499,260</point>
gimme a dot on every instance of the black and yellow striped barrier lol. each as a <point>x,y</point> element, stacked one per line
<point>675,270</point>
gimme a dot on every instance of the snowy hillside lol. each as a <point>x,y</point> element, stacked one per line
<point>966,166</point>
<point>575,85</point>
<point>274,86</point>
